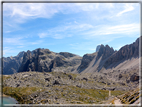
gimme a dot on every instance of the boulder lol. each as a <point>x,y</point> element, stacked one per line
<point>56,82</point>
<point>70,76</point>
<point>134,78</point>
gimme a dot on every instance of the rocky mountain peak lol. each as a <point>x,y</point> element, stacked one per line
<point>97,48</point>
<point>106,51</point>
<point>21,54</point>
<point>44,60</point>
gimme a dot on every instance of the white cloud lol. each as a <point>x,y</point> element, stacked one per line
<point>14,41</point>
<point>67,30</point>
<point>90,32</point>
<point>20,42</point>
<point>103,31</point>
<point>128,7</point>
<point>22,11</point>
<point>87,6</point>
<point>121,29</point>
<point>26,10</point>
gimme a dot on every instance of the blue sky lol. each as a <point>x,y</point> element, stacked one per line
<point>68,27</point>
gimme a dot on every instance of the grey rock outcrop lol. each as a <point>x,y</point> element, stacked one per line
<point>105,52</point>
<point>97,48</point>
<point>134,77</point>
<point>12,64</point>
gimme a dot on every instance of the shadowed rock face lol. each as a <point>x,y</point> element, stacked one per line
<point>30,61</point>
<point>126,52</point>
<point>43,60</point>
<point>87,58</point>
<point>97,48</point>
<point>12,64</point>
<point>105,52</point>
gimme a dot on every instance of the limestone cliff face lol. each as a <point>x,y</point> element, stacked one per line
<point>12,64</point>
<point>126,52</point>
<point>105,52</point>
<point>44,60</point>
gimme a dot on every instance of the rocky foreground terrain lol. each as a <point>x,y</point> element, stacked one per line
<point>65,88</point>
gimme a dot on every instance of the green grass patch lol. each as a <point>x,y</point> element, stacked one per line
<point>117,92</point>
<point>87,96</point>
<point>20,93</point>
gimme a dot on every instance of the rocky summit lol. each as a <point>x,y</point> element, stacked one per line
<point>97,48</point>
<point>44,60</point>
<point>45,77</point>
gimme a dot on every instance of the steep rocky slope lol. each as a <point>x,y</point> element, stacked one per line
<point>12,64</point>
<point>94,62</point>
<point>87,58</point>
<point>125,53</point>
<point>106,59</point>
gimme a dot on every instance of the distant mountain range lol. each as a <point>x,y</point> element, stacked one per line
<point>105,59</point>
